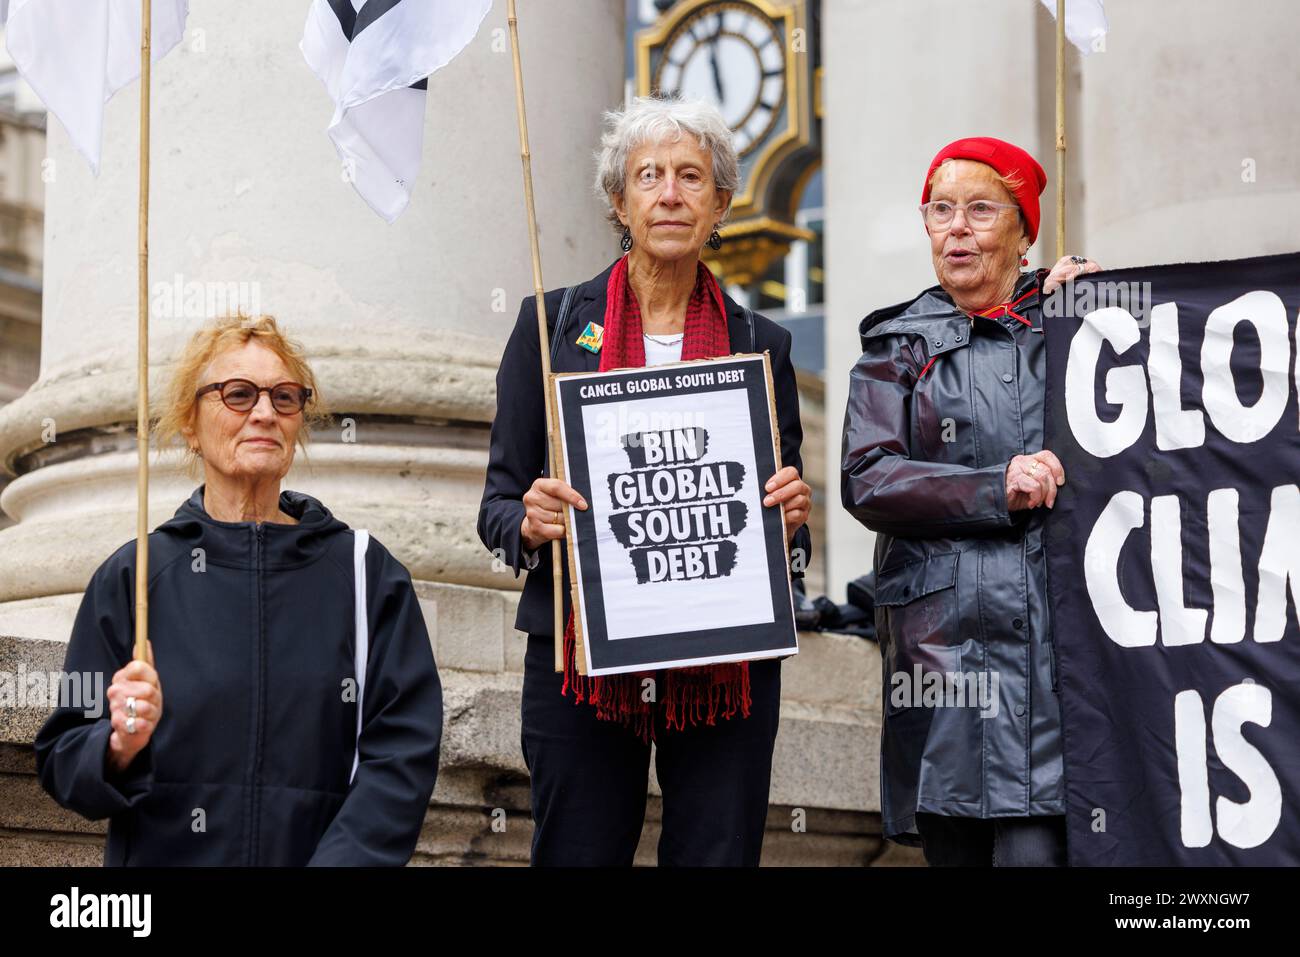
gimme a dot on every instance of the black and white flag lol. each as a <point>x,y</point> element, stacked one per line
<point>374,57</point>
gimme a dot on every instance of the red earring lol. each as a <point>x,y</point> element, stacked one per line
<point>1024,261</point>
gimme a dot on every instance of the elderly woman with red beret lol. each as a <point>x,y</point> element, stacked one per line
<point>944,460</point>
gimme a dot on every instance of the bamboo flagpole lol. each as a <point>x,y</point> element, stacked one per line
<point>543,337</point>
<point>142,359</point>
<point>1060,129</point>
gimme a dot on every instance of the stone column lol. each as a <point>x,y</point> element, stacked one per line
<point>1189,133</point>
<point>1180,148</point>
<point>404,323</point>
<point>887,114</point>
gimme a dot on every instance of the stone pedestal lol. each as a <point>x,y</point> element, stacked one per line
<point>825,773</point>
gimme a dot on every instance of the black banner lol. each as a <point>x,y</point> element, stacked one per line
<point>1174,561</point>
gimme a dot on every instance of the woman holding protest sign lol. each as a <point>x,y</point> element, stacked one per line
<point>944,459</point>
<point>667,170</point>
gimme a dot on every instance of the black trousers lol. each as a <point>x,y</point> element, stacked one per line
<point>995,842</point>
<point>589,777</point>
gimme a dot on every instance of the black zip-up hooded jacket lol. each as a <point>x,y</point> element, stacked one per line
<point>253,638</point>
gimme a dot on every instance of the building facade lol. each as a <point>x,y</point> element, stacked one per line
<point>1181,141</point>
<point>404,325</point>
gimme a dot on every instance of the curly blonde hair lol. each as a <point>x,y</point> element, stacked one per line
<point>215,337</point>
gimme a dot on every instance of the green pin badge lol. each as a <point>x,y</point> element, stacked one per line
<point>592,337</point>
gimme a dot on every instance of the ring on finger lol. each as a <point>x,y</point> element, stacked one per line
<point>559,519</point>
<point>130,707</point>
<point>130,725</point>
<point>1079,260</point>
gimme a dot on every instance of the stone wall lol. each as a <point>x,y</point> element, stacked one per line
<point>825,771</point>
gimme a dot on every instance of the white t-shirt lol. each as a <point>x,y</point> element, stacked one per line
<point>657,354</point>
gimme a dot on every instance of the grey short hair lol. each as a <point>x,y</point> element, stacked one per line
<point>655,119</point>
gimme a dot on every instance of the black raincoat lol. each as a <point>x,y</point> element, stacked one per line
<point>938,405</point>
<point>253,638</point>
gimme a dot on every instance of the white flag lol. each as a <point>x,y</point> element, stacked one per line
<point>77,53</point>
<point>374,57</point>
<point>1085,22</point>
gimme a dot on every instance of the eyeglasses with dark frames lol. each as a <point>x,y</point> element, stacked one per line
<point>240,395</point>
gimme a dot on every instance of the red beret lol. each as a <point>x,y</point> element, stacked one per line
<point>1006,159</point>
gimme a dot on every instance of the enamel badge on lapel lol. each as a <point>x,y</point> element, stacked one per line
<point>592,337</point>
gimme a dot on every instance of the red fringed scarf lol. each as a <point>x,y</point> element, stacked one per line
<point>692,694</point>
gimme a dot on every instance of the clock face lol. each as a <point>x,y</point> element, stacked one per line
<point>733,56</point>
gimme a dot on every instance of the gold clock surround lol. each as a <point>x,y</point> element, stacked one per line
<point>760,227</point>
<point>684,27</point>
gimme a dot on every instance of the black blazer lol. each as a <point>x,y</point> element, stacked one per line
<point>518,451</point>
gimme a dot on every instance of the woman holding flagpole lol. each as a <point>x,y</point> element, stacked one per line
<point>944,460</point>
<point>667,170</point>
<point>290,711</point>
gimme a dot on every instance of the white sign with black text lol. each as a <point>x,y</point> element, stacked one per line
<point>677,561</point>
